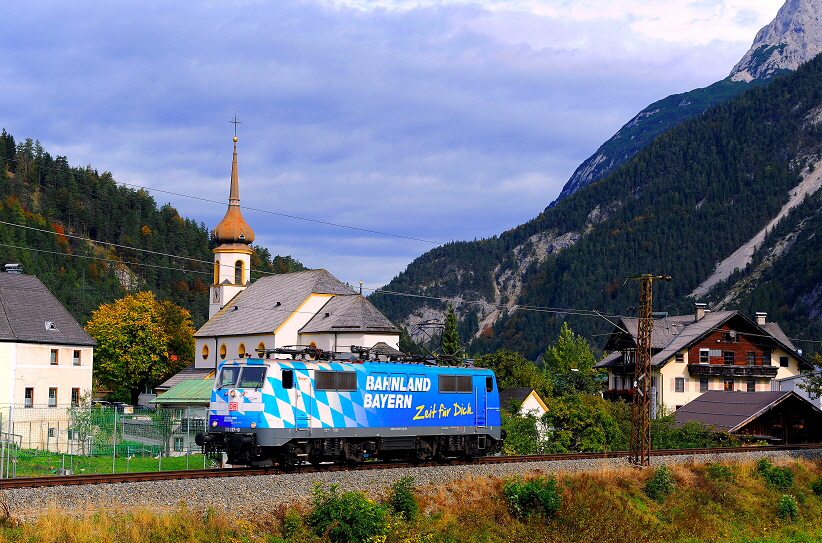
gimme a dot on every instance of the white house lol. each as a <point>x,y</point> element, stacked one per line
<point>45,354</point>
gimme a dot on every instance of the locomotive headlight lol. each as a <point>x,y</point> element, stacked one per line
<point>233,393</point>
<point>214,423</point>
<point>253,424</point>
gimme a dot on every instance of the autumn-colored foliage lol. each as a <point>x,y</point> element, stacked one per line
<point>140,341</point>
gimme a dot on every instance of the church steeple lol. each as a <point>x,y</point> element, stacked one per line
<point>233,230</point>
<point>232,255</point>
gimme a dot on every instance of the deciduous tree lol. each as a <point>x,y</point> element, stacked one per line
<point>140,341</point>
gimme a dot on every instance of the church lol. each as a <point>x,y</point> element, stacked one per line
<point>300,309</point>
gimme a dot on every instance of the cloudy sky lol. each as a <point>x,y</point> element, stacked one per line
<point>428,120</point>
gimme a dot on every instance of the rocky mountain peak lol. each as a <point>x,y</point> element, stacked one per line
<point>793,37</point>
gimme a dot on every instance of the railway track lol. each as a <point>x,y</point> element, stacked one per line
<point>108,478</point>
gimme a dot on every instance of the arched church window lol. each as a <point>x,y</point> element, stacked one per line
<point>216,272</point>
<point>241,350</point>
<point>205,352</point>
<point>238,272</point>
<point>223,351</point>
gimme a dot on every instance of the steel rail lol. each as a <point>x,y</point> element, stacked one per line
<point>109,478</point>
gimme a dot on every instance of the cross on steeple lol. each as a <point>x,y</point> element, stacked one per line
<point>235,121</point>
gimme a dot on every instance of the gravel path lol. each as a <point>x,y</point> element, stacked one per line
<point>243,494</point>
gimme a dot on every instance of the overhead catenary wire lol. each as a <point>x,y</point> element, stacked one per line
<point>268,211</point>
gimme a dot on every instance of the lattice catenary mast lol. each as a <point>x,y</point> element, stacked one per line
<point>640,454</point>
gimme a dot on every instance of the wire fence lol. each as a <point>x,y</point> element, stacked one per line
<point>98,439</point>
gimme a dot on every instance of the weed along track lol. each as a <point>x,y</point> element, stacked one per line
<point>558,462</point>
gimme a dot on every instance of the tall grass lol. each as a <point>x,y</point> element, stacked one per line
<point>707,503</point>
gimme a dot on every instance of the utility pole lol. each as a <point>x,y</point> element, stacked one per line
<point>640,454</point>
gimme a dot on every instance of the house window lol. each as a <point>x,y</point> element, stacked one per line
<point>703,384</point>
<point>679,384</point>
<point>51,431</point>
<point>750,358</point>
<point>679,357</point>
<point>75,397</point>
<point>766,358</point>
<point>703,356</point>
<point>238,272</point>
<point>205,352</point>
<point>75,358</point>
<point>178,444</point>
<point>53,397</point>
<point>751,385</point>
<point>28,397</point>
<point>728,384</point>
<point>783,362</point>
<point>53,357</point>
<point>728,357</point>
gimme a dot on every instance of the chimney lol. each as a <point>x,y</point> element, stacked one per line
<point>761,317</point>
<point>700,310</point>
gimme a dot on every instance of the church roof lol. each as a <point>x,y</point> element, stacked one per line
<point>270,301</point>
<point>30,313</point>
<point>233,230</point>
<point>349,314</point>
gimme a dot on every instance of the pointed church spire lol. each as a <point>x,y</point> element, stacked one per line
<point>233,230</point>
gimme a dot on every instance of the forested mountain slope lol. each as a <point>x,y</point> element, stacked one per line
<point>678,207</point>
<point>793,37</point>
<point>44,202</point>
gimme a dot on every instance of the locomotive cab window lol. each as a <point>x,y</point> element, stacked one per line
<point>252,377</point>
<point>335,380</point>
<point>228,376</point>
<point>288,378</point>
<point>455,383</point>
<point>489,384</point>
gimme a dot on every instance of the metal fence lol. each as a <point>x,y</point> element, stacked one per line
<point>50,436</point>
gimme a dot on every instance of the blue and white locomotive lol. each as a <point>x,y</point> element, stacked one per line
<point>287,410</point>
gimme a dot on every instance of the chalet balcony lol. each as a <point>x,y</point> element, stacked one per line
<point>729,370</point>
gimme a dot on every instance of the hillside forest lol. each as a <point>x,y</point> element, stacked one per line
<point>91,240</point>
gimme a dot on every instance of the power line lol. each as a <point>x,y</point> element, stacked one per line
<point>286,215</point>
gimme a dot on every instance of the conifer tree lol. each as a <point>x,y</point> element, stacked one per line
<point>450,338</point>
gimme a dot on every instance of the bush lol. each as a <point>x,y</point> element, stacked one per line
<point>786,508</point>
<point>660,484</point>
<point>719,472</point>
<point>346,517</point>
<point>292,524</point>
<point>775,476</point>
<point>816,486</point>
<point>401,499</point>
<point>538,496</point>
